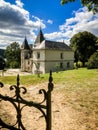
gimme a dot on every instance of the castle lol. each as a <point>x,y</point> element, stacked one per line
<point>46,55</point>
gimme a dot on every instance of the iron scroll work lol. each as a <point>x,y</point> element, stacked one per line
<point>17,100</point>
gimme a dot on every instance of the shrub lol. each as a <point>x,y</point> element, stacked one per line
<point>93,61</point>
<point>14,64</point>
<point>77,65</point>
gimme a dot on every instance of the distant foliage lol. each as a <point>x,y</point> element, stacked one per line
<point>12,54</point>
<point>92,5</point>
<point>93,61</point>
<point>84,44</point>
<point>2,63</point>
<point>2,53</point>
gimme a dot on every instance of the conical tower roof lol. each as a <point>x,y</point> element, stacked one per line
<point>39,37</point>
<point>25,44</point>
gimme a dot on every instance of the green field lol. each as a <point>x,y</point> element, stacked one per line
<point>76,78</point>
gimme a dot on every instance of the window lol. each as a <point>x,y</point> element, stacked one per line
<point>38,66</point>
<point>68,64</point>
<point>38,55</point>
<point>61,55</point>
<point>28,55</point>
<point>61,65</point>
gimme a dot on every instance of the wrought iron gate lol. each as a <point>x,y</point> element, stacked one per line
<point>17,100</point>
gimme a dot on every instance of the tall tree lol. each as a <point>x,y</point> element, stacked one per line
<point>2,52</point>
<point>84,45</point>
<point>92,5</point>
<point>2,63</point>
<point>12,54</point>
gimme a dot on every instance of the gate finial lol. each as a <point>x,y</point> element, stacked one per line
<point>50,85</point>
<point>50,78</point>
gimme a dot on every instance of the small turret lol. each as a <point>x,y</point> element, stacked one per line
<point>25,44</point>
<point>25,55</point>
<point>39,38</point>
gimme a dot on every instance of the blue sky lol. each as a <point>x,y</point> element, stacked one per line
<point>24,17</point>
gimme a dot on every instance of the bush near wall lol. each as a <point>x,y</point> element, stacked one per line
<point>77,65</point>
<point>93,61</point>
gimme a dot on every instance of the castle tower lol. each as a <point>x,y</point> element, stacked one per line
<point>25,55</point>
<point>39,38</point>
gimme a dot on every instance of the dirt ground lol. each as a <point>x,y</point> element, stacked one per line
<point>10,72</point>
<point>65,116</point>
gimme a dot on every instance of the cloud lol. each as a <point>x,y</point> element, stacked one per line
<point>82,20</point>
<point>54,35</point>
<point>19,3</point>
<point>39,22</point>
<point>50,21</point>
<point>15,22</point>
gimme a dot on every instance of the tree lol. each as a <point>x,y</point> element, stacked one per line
<point>92,5</point>
<point>84,45</point>
<point>93,61</point>
<point>12,54</point>
<point>2,53</point>
<point>2,63</point>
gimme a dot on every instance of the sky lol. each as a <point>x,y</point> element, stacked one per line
<point>20,18</point>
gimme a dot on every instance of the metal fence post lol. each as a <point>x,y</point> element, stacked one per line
<point>49,112</point>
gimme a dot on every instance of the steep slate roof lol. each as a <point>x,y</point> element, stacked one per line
<point>39,37</point>
<point>46,44</point>
<point>56,45</point>
<point>25,44</point>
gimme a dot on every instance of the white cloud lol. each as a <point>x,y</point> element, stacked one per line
<point>19,3</point>
<point>50,21</point>
<point>15,22</point>
<point>38,22</point>
<point>54,35</point>
<point>82,21</point>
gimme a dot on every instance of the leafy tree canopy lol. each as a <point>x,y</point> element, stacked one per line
<point>84,45</point>
<point>12,54</point>
<point>92,5</point>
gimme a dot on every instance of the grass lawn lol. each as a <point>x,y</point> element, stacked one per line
<point>73,78</point>
<point>80,81</point>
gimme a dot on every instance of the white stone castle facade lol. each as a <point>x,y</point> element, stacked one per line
<point>46,55</point>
